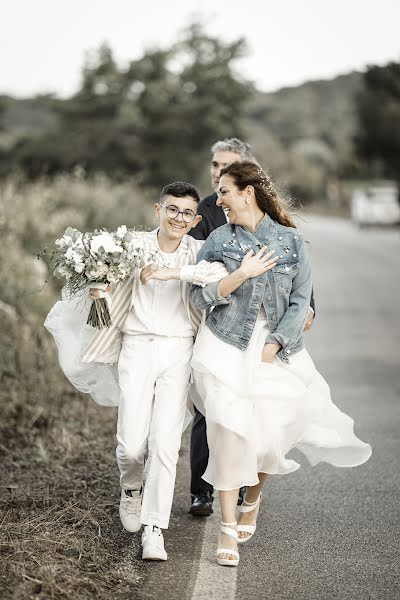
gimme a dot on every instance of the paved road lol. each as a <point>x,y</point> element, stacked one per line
<point>324,533</point>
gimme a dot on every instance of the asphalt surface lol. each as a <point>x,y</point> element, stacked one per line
<point>323,533</point>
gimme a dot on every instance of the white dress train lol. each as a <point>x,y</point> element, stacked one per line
<point>257,412</point>
<point>66,322</point>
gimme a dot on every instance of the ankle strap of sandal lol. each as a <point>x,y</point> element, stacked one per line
<point>249,506</point>
<point>228,530</point>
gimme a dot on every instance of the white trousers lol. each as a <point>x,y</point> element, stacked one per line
<point>154,375</point>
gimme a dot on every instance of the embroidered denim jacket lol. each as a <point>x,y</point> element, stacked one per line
<point>284,291</point>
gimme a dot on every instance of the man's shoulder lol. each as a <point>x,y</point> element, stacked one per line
<point>211,198</point>
<point>208,201</point>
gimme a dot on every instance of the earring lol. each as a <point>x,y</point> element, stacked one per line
<point>247,201</point>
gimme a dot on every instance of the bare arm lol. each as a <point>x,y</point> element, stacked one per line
<point>202,273</point>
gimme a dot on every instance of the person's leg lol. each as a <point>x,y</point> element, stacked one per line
<point>228,500</point>
<point>199,456</point>
<point>166,429</point>
<point>252,496</point>
<point>137,382</point>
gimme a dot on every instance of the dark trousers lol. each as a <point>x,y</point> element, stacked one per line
<point>199,455</point>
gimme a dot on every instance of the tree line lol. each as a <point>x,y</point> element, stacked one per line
<point>157,117</point>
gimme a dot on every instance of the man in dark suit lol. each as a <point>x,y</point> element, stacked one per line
<point>224,153</point>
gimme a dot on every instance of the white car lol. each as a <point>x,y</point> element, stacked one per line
<point>376,204</point>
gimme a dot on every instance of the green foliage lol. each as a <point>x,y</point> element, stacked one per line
<point>378,138</point>
<point>3,106</point>
<point>205,102</point>
<point>154,119</point>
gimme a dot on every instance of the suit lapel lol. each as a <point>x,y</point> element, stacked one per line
<point>217,214</point>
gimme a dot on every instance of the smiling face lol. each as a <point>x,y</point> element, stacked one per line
<point>220,160</point>
<point>233,200</point>
<point>174,227</point>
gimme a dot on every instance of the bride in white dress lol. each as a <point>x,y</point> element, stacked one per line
<point>258,387</point>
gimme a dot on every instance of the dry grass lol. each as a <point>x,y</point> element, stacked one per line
<point>60,531</point>
<point>60,534</point>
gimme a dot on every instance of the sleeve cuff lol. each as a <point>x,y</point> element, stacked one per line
<point>187,273</point>
<point>212,296</point>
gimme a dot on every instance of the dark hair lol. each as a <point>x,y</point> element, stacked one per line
<point>180,189</point>
<point>246,173</point>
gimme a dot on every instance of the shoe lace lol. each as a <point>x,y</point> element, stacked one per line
<point>153,534</point>
<point>131,503</point>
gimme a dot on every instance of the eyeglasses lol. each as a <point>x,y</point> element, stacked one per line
<point>173,212</point>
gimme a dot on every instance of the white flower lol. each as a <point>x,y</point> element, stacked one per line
<point>121,231</point>
<point>104,240</point>
<point>97,273</point>
<point>79,268</point>
<point>70,254</point>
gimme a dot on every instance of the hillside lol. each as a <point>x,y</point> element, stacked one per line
<point>316,109</point>
<point>301,134</point>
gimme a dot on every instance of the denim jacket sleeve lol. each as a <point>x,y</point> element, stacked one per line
<point>208,296</point>
<point>292,323</point>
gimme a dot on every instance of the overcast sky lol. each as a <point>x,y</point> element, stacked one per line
<point>42,42</point>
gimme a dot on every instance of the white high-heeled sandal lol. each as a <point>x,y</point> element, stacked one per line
<point>227,562</point>
<point>244,508</point>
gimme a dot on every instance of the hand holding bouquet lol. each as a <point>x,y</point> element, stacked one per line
<point>98,258</point>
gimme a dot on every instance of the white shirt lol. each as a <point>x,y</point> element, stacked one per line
<point>105,345</point>
<point>158,307</point>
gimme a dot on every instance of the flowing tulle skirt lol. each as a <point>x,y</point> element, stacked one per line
<point>67,323</point>
<point>257,412</point>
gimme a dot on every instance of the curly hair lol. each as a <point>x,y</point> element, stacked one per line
<point>246,173</point>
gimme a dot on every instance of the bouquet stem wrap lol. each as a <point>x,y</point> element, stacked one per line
<point>99,314</point>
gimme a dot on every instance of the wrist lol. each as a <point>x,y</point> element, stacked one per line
<point>172,273</point>
<point>242,274</point>
<point>272,348</point>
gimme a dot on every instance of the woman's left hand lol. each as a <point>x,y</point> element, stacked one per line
<point>269,352</point>
<point>309,319</point>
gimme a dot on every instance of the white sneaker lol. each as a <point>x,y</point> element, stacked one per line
<point>153,544</point>
<point>130,507</point>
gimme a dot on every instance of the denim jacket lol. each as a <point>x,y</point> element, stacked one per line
<point>284,291</point>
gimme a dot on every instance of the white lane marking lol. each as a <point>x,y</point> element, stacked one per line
<point>213,582</point>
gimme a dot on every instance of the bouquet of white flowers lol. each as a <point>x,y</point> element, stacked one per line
<point>100,258</point>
